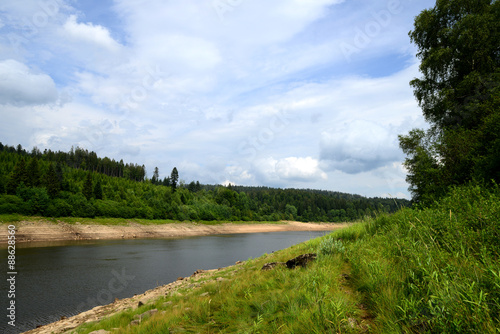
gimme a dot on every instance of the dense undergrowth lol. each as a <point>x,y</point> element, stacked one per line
<point>434,270</point>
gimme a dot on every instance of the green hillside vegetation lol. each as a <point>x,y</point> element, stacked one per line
<point>417,271</point>
<point>80,184</point>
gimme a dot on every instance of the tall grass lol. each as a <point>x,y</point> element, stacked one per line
<point>435,270</point>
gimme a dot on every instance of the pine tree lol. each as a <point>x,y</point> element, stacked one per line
<point>98,189</point>
<point>19,175</point>
<point>52,182</point>
<point>87,186</point>
<point>156,176</point>
<point>174,177</point>
<point>33,172</point>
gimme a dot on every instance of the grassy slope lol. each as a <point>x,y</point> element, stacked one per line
<point>435,270</point>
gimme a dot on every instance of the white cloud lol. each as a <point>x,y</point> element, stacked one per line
<point>359,146</point>
<point>20,86</point>
<point>288,170</point>
<point>302,169</point>
<point>89,33</point>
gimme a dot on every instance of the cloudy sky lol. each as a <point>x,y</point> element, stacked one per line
<point>281,93</point>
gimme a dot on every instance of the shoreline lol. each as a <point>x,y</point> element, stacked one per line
<point>28,232</point>
<point>98,313</point>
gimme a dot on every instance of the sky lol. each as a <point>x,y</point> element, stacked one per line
<point>281,93</point>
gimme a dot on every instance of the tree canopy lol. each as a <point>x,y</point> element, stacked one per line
<point>70,188</point>
<point>458,44</point>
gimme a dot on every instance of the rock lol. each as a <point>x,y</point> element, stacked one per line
<point>221,279</point>
<point>134,322</point>
<point>204,294</point>
<point>100,331</point>
<point>167,303</point>
<point>63,317</point>
<point>180,278</point>
<point>197,272</point>
<point>300,260</point>
<point>140,303</point>
<point>271,265</point>
<point>238,262</point>
<point>145,314</point>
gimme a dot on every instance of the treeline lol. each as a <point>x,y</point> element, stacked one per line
<point>80,184</point>
<point>83,159</point>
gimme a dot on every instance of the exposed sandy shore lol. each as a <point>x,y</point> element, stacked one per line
<point>39,231</point>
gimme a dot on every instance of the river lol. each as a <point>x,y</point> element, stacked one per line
<point>69,278</point>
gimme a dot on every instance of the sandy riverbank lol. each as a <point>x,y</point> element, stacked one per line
<point>38,231</point>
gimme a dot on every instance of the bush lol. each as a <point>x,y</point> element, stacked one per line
<point>10,204</point>
<point>59,208</point>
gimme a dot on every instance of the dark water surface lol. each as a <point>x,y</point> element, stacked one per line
<point>64,280</point>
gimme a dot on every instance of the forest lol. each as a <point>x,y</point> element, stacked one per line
<point>78,183</point>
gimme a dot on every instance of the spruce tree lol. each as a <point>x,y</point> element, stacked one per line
<point>87,186</point>
<point>19,175</point>
<point>174,177</point>
<point>52,182</point>
<point>98,189</point>
<point>33,172</point>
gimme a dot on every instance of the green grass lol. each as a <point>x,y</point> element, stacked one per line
<point>13,218</point>
<point>435,270</point>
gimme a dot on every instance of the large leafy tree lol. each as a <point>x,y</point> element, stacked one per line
<point>458,44</point>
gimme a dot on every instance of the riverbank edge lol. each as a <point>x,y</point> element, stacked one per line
<point>32,232</point>
<point>98,313</point>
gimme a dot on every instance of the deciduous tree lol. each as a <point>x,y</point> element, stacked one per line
<point>459,93</point>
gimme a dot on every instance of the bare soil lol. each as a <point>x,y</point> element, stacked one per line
<point>45,231</point>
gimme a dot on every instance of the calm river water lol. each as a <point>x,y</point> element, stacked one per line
<point>64,280</point>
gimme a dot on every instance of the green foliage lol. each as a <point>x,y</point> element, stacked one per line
<point>174,177</point>
<point>98,189</point>
<point>52,183</point>
<point>331,245</point>
<point>87,187</point>
<point>459,94</point>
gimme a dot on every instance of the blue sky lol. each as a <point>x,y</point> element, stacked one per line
<point>283,93</point>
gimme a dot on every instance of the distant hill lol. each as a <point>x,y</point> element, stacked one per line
<point>78,183</point>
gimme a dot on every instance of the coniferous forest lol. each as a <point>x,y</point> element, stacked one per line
<point>78,183</point>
